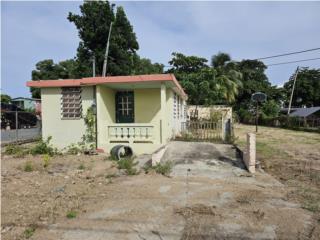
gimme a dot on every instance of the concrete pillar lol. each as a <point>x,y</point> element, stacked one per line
<point>250,155</point>
<point>163,114</point>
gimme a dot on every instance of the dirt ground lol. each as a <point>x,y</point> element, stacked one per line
<point>207,196</point>
<point>292,157</point>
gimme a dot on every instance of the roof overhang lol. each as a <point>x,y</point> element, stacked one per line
<point>137,80</point>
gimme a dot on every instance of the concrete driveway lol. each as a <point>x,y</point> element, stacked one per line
<point>218,200</point>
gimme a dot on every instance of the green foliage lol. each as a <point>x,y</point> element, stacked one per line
<point>81,167</point>
<point>47,69</point>
<point>306,89</point>
<point>71,214</point>
<point>93,24</point>
<point>28,232</point>
<point>43,147</point>
<point>128,165</point>
<point>270,109</point>
<point>207,85</point>
<point>163,168</point>
<point>89,138</point>
<point>5,98</point>
<point>28,167</point>
<point>46,160</point>
<point>145,66</point>
<point>74,149</point>
<point>16,150</point>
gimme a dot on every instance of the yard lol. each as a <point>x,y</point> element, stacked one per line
<point>207,196</point>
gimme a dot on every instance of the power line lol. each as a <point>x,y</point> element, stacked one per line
<point>303,60</point>
<point>286,54</point>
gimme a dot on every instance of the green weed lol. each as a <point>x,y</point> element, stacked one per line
<point>28,167</point>
<point>71,214</point>
<point>29,232</point>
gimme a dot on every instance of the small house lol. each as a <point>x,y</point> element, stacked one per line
<point>143,111</point>
<point>27,103</point>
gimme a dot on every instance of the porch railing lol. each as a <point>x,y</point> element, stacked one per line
<point>131,133</point>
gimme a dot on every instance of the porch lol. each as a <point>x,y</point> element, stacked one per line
<point>134,115</point>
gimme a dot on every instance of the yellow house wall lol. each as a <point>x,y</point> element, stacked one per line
<point>63,131</point>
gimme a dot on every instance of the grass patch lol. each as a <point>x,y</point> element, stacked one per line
<point>128,164</point>
<point>81,167</point>
<point>16,150</point>
<point>44,147</point>
<point>28,167</point>
<point>29,232</point>
<point>71,214</point>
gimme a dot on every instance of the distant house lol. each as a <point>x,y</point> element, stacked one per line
<point>27,103</point>
<point>143,111</point>
<point>310,113</point>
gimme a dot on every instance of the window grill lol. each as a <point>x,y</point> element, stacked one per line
<point>71,103</point>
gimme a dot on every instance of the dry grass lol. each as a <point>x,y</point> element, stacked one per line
<point>293,157</point>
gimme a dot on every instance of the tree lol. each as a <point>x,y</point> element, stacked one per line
<point>47,69</point>
<point>307,88</point>
<point>228,77</point>
<point>145,66</point>
<point>5,98</point>
<point>186,64</point>
<point>93,26</point>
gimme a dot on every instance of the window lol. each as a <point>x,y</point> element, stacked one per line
<point>71,107</point>
<point>125,107</point>
<point>175,105</point>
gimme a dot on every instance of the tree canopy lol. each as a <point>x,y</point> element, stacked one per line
<point>5,98</point>
<point>307,88</point>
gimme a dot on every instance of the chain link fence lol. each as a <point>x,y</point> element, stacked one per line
<point>17,126</point>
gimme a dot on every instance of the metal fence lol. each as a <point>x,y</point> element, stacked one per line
<point>202,130</point>
<point>19,126</point>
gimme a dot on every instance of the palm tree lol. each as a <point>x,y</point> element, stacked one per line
<point>227,79</point>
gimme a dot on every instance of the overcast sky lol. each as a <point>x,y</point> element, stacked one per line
<point>33,31</point>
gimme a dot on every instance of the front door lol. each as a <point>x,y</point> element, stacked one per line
<point>125,107</point>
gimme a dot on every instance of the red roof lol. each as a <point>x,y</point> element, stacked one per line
<point>110,79</point>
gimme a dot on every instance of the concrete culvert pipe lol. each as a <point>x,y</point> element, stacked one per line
<point>120,151</point>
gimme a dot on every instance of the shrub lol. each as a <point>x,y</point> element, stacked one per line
<point>74,149</point>
<point>46,160</point>
<point>43,147</point>
<point>71,214</point>
<point>29,232</point>
<point>161,168</point>
<point>28,167</point>
<point>128,165</point>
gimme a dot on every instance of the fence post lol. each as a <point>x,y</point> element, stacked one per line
<point>17,130</point>
<point>250,156</point>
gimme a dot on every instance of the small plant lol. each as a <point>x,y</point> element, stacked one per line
<point>128,165</point>
<point>160,168</point>
<point>81,167</point>
<point>74,149</point>
<point>71,214</point>
<point>28,167</point>
<point>29,232</point>
<point>46,160</point>
<point>164,168</point>
<point>43,147</point>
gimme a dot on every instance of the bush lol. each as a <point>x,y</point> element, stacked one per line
<point>163,168</point>
<point>44,147</point>
<point>74,149</point>
<point>128,165</point>
<point>28,167</point>
<point>71,214</point>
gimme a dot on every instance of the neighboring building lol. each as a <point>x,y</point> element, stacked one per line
<point>143,112</point>
<point>27,103</point>
<point>310,113</point>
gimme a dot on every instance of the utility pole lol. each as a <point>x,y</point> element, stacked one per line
<point>93,66</point>
<point>105,62</point>
<point>294,83</point>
